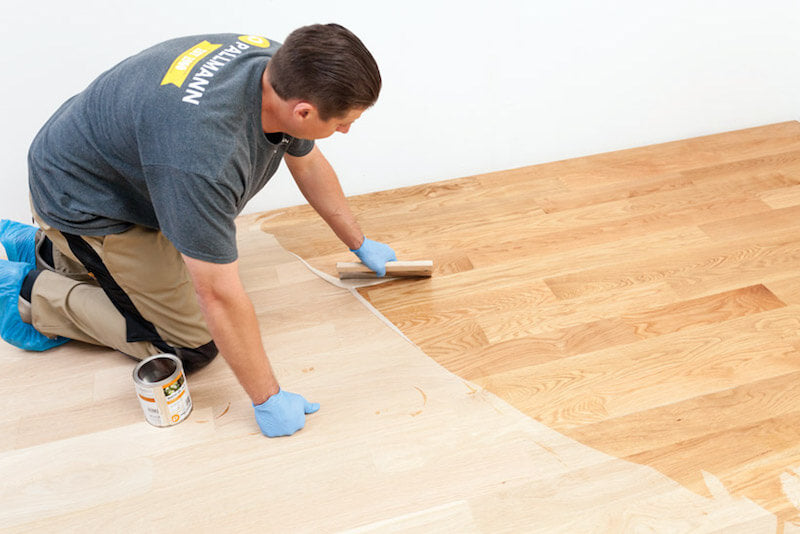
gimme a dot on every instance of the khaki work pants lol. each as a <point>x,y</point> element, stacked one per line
<point>129,291</point>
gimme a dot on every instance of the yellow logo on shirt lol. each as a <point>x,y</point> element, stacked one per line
<point>255,40</point>
<point>183,64</point>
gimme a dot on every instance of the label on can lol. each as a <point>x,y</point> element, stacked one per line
<point>162,390</point>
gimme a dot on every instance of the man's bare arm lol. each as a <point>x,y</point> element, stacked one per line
<point>232,321</point>
<point>317,181</point>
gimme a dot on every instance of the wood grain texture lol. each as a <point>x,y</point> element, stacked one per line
<point>412,269</point>
<point>643,301</point>
<point>399,444</point>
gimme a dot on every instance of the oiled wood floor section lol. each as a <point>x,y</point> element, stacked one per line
<point>644,302</point>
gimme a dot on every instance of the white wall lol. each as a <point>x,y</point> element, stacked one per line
<point>469,87</point>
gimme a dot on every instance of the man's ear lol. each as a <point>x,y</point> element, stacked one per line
<point>304,110</point>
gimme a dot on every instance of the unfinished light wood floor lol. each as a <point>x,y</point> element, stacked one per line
<point>643,302</point>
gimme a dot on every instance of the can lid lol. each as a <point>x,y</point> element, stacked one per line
<point>157,369</point>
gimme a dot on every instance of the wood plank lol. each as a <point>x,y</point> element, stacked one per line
<point>781,198</point>
<point>682,155</point>
<point>773,168</point>
<point>786,288</point>
<point>657,371</point>
<point>524,272</point>
<point>742,262</point>
<point>487,291</point>
<point>749,459</point>
<point>633,325</point>
<point>678,422</point>
<point>781,220</point>
<point>414,268</point>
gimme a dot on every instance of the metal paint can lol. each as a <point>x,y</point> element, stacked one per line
<point>162,390</point>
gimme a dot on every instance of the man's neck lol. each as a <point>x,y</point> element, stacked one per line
<point>270,119</point>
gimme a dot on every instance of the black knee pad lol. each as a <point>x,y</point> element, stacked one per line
<point>194,359</point>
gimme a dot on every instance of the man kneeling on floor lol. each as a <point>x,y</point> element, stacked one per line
<point>135,184</point>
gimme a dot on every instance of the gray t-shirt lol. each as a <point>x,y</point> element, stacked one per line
<point>170,138</point>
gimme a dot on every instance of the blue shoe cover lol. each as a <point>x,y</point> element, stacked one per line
<point>19,240</point>
<point>12,328</point>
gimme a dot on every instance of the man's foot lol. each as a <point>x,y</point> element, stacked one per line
<point>19,240</point>
<point>12,328</point>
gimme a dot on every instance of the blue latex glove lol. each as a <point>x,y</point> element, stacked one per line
<point>12,328</point>
<point>374,255</point>
<point>19,240</point>
<point>283,414</point>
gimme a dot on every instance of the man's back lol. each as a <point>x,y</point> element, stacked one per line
<point>175,126</point>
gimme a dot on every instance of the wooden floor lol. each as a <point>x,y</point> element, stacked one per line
<point>644,302</point>
<point>399,444</point>
<point>641,310</point>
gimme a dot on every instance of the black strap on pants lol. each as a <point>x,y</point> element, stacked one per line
<point>137,328</point>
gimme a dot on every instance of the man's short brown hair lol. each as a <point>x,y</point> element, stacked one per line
<point>328,66</point>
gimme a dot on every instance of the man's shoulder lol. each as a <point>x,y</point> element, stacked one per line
<point>195,58</point>
<point>187,71</point>
<point>203,96</point>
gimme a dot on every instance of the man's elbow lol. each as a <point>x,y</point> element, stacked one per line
<point>215,284</point>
